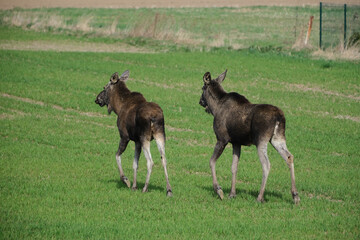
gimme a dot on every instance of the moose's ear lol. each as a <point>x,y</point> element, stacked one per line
<point>207,78</point>
<point>114,78</point>
<point>221,77</point>
<point>125,75</point>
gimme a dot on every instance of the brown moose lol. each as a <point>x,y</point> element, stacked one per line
<point>239,122</point>
<point>139,121</point>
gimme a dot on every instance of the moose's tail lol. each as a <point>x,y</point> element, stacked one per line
<point>279,130</point>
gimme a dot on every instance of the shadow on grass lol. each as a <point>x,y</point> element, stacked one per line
<point>252,193</point>
<point>140,185</point>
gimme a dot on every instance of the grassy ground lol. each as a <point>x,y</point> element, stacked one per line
<point>58,175</point>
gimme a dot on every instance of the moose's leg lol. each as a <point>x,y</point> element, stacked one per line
<point>122,146</point>
<point>160,142</point>
<point>234,168</point>
<point>149,162</point>
<point>280,145</point>
<point>219,148</point>
<point>136,162</point>
<point>265,163</point>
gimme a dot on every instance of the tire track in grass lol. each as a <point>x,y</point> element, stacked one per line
<point>13,113</point>
<point>88,114</point>
<point>297,87</point>
<point>303,88</point>
<point>57,107</point>
<point>342,117</point>
<point>292,87</point>
<point>170,128</point>
<point>321,197</point>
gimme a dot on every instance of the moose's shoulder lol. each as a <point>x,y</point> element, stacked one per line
<point>233,96</point>
<point>137,97</point>
<point>136,94</point>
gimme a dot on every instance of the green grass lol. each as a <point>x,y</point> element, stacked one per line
<point>58,174</point>
<point>59,177</point>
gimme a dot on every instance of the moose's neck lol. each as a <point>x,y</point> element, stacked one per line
<point>216,93</point>
<point>118,97</point>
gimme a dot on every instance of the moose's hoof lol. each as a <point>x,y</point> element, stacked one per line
<point>232,195</point>
<point>220,193</point>
<point>169,193</point>
<point>296,198</point>
<point>144,190</point>
<point>126,181</point>
<point>134,188</point>
<point>260,199</point>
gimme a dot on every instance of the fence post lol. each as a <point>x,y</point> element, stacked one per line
<point>309,30</point>
<point>344,26</point>
<point>320,24</point>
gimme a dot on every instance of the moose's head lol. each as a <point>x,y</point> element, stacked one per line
<point>211,86</point>
<point>103,98</point>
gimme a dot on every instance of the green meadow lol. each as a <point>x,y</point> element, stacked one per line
<point>58,174</point>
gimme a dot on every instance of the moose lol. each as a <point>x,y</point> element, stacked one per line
<point>242,123</point>
<point>138,120</point>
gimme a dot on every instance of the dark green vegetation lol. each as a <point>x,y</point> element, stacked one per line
<point>58,174</point>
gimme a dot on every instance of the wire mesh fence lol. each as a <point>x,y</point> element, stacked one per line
<point>339,23</point>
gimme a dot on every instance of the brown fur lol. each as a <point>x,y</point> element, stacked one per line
<point>138,120</point>
<point>240,122</point>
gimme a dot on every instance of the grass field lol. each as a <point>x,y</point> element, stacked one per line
<point>58,174</point>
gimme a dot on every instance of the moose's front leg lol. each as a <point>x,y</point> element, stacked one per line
<point>234,168</point>
<point>122,146</point>
<point>219,148</point>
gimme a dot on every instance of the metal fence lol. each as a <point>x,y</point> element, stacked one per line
<point>338,24</point>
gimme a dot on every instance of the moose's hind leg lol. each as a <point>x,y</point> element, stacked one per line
<point>234,169</point>
<point>265,163</point>
<point>280,145</point>
<point>160,142</point>
<point>149,162</point>
<point>136,163</point>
